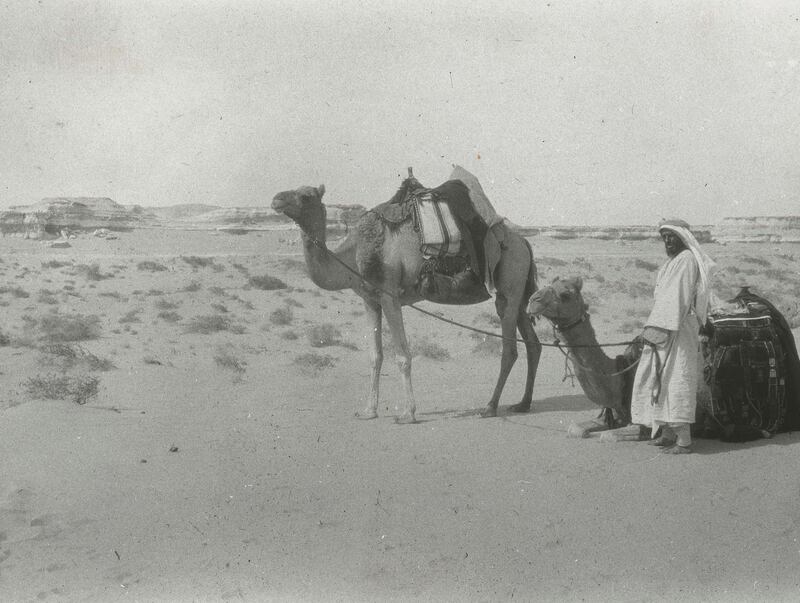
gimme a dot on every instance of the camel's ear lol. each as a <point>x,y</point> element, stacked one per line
<point>321,190</point>
<point>577,282</point>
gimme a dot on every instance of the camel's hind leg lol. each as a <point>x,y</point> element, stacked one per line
<point>376,359</point>
<point>533,349</point>
<point>394,316</point>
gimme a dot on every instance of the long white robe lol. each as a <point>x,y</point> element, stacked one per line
<point>673,400</point>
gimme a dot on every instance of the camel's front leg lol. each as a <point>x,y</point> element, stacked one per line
<point>394,316</point>
<point>533,350</point>
<point>508,321</point>
<point>373,310</point>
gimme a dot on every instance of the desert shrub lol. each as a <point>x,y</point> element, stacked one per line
<point>552,262</point>
<point>493,320</point>
<point>197,262</point>
<point>289,335</point>
<point>293,264</point>
<point>47,297</point>
<point>131,316</point>
<point>211,323</point>
<point>192,287</point>
<point>170,316</point>
<point>266,283</point>
<point>221,308</point>
<point>55,264</point>
<point>4,339</point>
<point>313,362</point>
<point>154,292</point>
<point>68,356</point>
<point>486,345</point>
<point>150,266</point>
<point>216,290</point>
<point>163,304</point>
<point>756,261</point>
<point>323,335</point>
<point>429,349</point>
<point>281,316</point>
<point>63,328</point>
<point>645,265</point>
<point>80,389</point>
<point>91,272</point>
<point>15,291</point>
<point>227,360</point>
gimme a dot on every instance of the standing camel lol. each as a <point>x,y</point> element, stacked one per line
<point>381,263</point>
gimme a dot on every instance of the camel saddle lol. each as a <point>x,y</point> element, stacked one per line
<point>454,271</point>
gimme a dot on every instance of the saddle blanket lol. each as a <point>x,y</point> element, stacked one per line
<point>439,233</point>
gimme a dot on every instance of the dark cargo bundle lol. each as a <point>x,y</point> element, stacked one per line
<point>748,361</point>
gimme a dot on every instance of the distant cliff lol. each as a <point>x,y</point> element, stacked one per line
<point>758,229</point>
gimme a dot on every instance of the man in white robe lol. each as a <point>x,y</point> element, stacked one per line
<point>665,386</point>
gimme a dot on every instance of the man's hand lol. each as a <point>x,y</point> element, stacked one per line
<point>655,335</point>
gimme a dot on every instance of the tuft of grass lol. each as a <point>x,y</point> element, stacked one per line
<point>312,362</point>
<point>80,389</point>
<point>64,328</point>
<point>91,272</point>
<point>649,266</point>
<point>150,266</point>
<point>192,287</point>
<point>197,262</point>
<point>47,297</point>
<point>163,304</point>
<point>227,360</point>
<point>486,345</point>
<point>68,356</point>
<point>320,336</point>
<point>170,316</point>
<point>15,291</point>
<point>429,349</point>
<point>212,323</point>
<point>266,283</point>
<point>55,264</point>
<point>131,316</point>
<point>281,316</point>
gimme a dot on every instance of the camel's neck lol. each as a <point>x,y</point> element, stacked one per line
<point>325,267</point>
<point>592,367</point>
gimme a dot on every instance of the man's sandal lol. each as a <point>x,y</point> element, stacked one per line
<point>661,441</point>
<point>678,449</point>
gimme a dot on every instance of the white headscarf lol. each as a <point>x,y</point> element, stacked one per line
<point>705,298</point>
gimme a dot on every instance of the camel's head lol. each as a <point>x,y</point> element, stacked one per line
<point>560,301</point>
<point>301,204</point>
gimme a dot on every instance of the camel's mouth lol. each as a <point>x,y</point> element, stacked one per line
<point>279,203</point>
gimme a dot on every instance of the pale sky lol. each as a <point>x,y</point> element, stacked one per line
<point>568,112</point>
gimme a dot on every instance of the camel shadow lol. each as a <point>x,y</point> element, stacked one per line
<point>575,402</point>
<point>705,446</point>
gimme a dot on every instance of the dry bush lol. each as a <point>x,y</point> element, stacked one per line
<point>429,349</point>
<point>15,291</point>
<point>170,316</point>
<point>289,336</point>
<point>281,316</point>
<point>486,345</point>
<point>217,291</point>
<point>91,272</point>
<point>551,262</point>
<point>163,304</point>
<point>47,297</point>
<point>64,328</point>
<point>131,316</point>
<point>55,264</point>
<point>227,360</point>
<point>80,389</point>
<point>645,265</point>
<point>266,283</point>
<point>192,287</point>
<point>212,323</point>
<point>150,266</point>
<point>757,261</point>
<point>69,356</point>
<point>320,336</point>
<point>198,262</point>
<point>314,363</point>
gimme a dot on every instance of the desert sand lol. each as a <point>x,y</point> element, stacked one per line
<point>205,447</point>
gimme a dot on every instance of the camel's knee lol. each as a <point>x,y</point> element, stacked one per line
<point>403,363</point>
